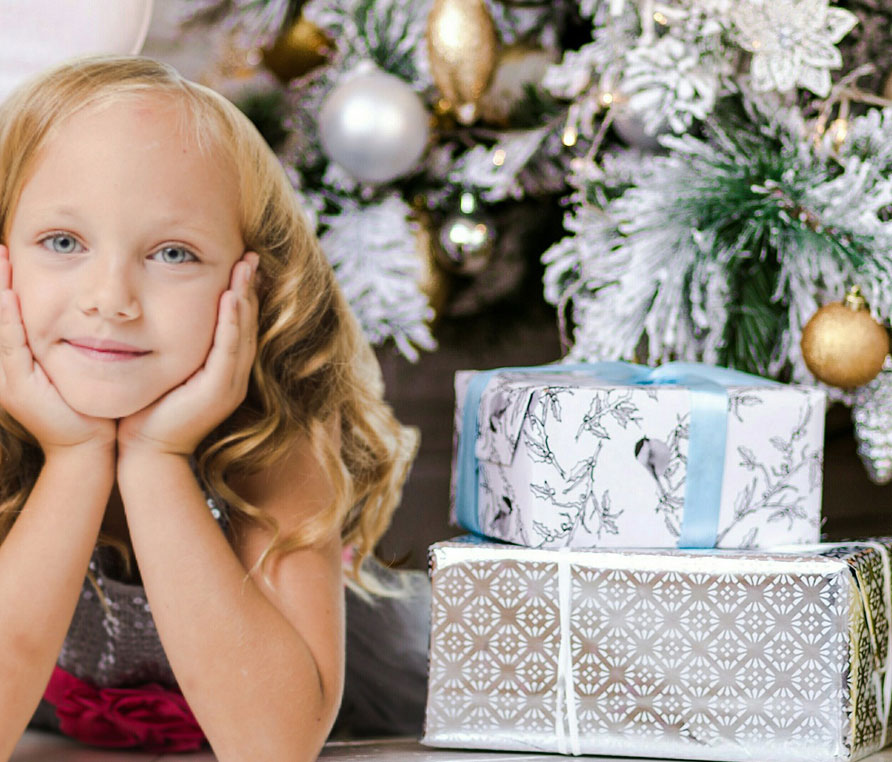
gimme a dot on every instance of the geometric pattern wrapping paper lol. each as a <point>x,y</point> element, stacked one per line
<point>713,655</point>
<point>572,460</point>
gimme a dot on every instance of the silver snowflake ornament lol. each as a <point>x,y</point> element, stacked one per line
<point>666,81</point>
<point>793,42</point>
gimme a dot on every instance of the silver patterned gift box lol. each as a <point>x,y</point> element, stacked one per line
<point>712,655</point>
<point>571,459</point>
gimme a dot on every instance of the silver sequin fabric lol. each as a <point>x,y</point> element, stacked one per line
<point>116,644</point>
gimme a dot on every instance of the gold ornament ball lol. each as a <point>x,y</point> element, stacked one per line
<point>433,281</point>
<point>843,345</point>
<point>462,47</point>
<point>298,50</point>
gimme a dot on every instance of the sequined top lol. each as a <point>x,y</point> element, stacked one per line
<point>114,643</point>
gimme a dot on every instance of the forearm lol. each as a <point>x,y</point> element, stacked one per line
<point>233,652</point>
<point>43,562</point>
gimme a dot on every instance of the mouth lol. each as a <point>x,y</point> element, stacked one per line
<point>102,349</point>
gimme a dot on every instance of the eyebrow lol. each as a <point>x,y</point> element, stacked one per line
<point>64,211</point>
<point>172,220</point>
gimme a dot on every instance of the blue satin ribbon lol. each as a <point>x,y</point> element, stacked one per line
<point>708,434</point>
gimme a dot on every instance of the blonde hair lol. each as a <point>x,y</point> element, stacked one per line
<point>313,368</point>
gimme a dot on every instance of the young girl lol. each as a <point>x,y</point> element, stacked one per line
<point>175,357</point>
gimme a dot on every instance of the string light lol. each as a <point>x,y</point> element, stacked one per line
<point>838,131</point>
<point>845,93</point>
<point>570,136</point>
<point>661,19</point>
<point>606,99</point>
<point>498,157</point>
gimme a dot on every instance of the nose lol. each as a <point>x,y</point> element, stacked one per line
<point>109,290</point>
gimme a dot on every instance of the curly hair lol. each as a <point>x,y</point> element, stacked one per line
<point>313,370</point>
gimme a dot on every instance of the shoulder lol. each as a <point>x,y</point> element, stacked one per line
<point>294,491</point>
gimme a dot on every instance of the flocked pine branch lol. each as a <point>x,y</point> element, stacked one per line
<point>723,248</point>
<point>389,33</point>
<point>373,251</point>
<point>255,22</point>
<point>701,259</point>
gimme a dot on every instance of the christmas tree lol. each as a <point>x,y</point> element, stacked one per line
<point>724,170</point>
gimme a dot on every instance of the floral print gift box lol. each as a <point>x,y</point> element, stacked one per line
<point>620,455</point>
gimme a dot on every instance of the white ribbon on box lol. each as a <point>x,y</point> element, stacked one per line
<point>566,721</point>
<point>566,684</point>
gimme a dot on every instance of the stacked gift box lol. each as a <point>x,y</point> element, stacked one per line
<point>656,589</point>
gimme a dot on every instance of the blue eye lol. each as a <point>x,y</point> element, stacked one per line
<point>61,243</point>
<point>175,255</point>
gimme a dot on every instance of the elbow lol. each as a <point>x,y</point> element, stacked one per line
<point>296,733</point>
<point>317,724</point>
<point>323,718</point>
<point>25,649</point>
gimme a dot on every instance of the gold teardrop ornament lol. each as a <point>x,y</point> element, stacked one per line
<point>462,47</point>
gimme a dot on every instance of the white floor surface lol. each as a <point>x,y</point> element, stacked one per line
<point>38,747</point>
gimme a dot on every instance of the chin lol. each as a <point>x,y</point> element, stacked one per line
<point>95,404</point>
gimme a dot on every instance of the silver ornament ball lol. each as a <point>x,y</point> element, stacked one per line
<point>466,239</point>
<point>375,126</point>
<point>630,128</point>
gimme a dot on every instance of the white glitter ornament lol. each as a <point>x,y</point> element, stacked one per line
<point>872,415</point>
<point>792,42</point>
<point>374,126</point>
<point>37,34</point>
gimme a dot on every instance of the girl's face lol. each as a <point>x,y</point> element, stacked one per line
<point>123,240</point>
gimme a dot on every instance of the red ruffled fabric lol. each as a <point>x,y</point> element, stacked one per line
<point>150,717</point>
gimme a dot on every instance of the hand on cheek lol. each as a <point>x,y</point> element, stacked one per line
<point>179,420</point>
<point>27,393</point>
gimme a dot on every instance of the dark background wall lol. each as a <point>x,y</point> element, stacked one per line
<point>422,395</point>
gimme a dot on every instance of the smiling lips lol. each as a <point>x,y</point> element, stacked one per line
<point>102,349</point>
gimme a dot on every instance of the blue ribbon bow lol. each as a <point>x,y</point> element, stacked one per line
<point>708,434</point>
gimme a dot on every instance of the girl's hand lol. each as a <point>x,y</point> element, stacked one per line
<point>178,421</point>
<point>27,394</point>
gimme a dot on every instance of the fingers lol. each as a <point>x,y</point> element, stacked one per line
<point>17,376</point>
<point>16,360</point>
<point>5,269</point>
<point>235,338</point>
<point>14,351</point>
<point>248,263</point>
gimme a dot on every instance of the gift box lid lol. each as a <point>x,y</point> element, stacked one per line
<point>505,397</point>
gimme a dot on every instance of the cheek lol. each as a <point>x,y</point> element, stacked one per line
<point>39,308</point>
<point>193,331</point>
